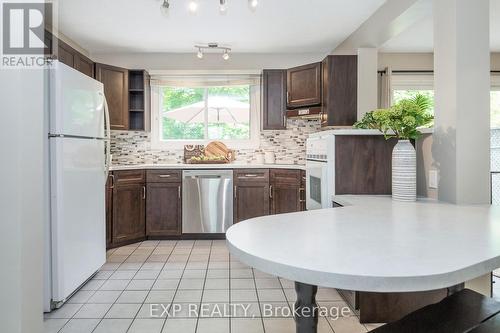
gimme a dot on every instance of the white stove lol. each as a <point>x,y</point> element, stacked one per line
<point>320,171</point>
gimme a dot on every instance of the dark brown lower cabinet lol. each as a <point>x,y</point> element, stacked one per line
<point>129,207</point>
<point>109,210</point>
<point>286,191</point>
<point>163,209</point>
<point>251,194</point>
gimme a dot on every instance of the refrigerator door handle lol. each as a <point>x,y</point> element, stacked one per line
<point>108,136</point>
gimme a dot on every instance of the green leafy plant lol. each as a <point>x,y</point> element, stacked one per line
<point>401,120</point>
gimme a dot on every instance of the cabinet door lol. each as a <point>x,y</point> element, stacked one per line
<point>250,200</point>
<point>163,209</point>
<point>302,190</point>
<point>109,211</point>
<point>339,95</point>
<point>274,99</point>
<point>65,54</point>
<point>285,198</point>
<point>115,82</point>
<point>84,65</point>
<point>128,212</point>
<point>304,86</point>
<point>286,191</point>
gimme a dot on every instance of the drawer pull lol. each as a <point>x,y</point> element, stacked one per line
<point>251,175</point>
<point>164,176</point>
<point>144,192</point>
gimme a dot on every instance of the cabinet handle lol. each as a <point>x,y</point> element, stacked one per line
<point>284,120</point>
<point>112,181</point>
<point>301,190</point>
<point>251,175</point>
<point>271,191</point>
<point>235,192</point>
<point>179,192</point>
<point>164,176</point>
<point>287,97</point>
<point>144,192</point>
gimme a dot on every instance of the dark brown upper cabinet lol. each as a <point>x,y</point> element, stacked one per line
<point>116,83</point>
<point>84,65</point>
<point>139,100</point>
<point>304,86</point>
<point>274,99</point>
<point>71,57</point>
<point>65,54</point>
<point>340,90</point>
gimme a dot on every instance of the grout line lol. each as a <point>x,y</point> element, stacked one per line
<point>95,291</point>
<point>258,299</point>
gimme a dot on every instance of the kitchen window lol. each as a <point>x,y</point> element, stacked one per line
<point>408,86</point>
<point>198,109</point>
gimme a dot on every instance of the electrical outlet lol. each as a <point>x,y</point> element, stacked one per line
<point>433,179</point>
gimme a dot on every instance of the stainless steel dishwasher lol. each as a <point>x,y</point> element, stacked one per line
<point>207,201</point>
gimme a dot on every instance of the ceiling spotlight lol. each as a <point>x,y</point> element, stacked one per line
<point>165,6</point>
<point>193,6</point>
<point>225,55</point>
<point>253,3</point>
<point>223,6</point>
<point>200,54</point>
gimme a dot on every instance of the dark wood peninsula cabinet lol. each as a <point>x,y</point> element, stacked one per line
<point>116,83</point>
<point>274,99</point>
<point>129,204</point>
<point>163,203</point>
<point>251,193</point>
<point>304,86</point>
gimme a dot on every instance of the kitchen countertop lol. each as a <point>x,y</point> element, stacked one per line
<point>207,166</point>
<point>374,244</point>
<point>356,131</point>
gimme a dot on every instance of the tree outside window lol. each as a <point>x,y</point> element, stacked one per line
<point>206,113</point>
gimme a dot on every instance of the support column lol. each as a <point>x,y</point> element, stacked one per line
<point>367,80</point>
<point>461,148</point>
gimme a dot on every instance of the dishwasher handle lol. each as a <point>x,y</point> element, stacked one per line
<point>206,177</point>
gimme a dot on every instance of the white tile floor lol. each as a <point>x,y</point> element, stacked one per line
<point>180,274</point>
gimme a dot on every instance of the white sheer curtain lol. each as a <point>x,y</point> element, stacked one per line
<point>385,88</point>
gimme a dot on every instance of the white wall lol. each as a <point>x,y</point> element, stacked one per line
<point>419,61</point>
<point>189,61</point>
<point>21,201</point>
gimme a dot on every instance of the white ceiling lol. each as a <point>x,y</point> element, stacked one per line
<point>420,37</point>
<point>277,26</point>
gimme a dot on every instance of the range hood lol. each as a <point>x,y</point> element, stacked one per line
<point>312,112</point>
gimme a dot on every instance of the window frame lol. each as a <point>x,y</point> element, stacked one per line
<point>157,143</point>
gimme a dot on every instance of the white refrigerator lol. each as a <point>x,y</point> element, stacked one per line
<point>78,158</point>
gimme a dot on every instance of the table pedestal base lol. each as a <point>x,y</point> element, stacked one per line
<point>306,309</point>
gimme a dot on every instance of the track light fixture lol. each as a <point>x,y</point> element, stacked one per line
<point>193,6</point>
<point>223,6</point>
<point>165,6</point>
<point>213,46</point>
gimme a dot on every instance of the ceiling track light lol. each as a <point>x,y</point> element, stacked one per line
<point>223,6</point>
<point>165,6</point>
<point>213,46</point>
<point>193,6</point>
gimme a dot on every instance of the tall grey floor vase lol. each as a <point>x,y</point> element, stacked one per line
<point>404,172</point>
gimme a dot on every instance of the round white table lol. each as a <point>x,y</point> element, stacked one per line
<point>375,245</point>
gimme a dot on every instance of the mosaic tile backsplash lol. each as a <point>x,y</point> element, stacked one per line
<point>128,147</point>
